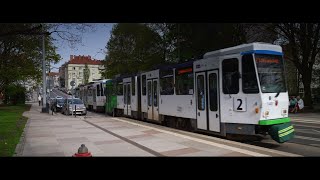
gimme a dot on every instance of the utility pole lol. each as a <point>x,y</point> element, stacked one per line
<point>44,90</point>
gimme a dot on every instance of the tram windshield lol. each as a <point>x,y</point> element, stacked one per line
<point>271,73</point>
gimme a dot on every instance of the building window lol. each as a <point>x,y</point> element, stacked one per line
<point>74,68</point>
<point>301,90</point>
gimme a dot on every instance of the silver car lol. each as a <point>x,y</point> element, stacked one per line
<point>72,107</point>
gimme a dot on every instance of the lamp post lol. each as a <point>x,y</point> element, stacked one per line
<point>45,107</point>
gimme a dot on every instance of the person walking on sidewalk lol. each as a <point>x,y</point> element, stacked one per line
<point>39,99</point>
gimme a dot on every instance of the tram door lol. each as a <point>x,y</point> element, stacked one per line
<point>208,117</point>
<point>127,99</point>
<point>152,99</point>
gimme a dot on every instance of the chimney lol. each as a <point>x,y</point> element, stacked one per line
<point>71,57</point>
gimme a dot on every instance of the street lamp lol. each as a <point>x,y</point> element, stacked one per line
<point>45,106</point>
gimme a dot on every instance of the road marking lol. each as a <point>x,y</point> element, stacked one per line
<point>151,151</point>
<point>307,138</point>
<point>251,153</point>
<point>316,131</point>
<point>318,145</point>
<point>294,125</point>
<point>299,119</point>
<point>307,131</point>
<point>307,121</point>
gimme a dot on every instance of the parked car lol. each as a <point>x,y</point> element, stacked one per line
<point>57,104</point>
<point>71,106</point>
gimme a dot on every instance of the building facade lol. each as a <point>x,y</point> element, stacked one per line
<point>62,75</point>
<point>74,70</point>
<point>53,79</point>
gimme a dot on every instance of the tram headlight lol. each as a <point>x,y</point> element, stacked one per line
<point>266,113</point>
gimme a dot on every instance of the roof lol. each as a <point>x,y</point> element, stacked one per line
<point>53,74</point>
<point>83,60</point>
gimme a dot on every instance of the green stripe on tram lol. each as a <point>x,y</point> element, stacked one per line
<point>274,121</point>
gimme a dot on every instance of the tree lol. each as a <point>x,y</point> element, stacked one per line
<point>86,74</point>
<point>184,41</point>
<point>132,48</point>
<point>301,43</point>
<point>20,52</point>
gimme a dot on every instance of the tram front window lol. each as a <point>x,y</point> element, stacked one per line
<point>271,73</point>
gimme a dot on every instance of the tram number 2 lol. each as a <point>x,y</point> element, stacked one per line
<point>239,104</point>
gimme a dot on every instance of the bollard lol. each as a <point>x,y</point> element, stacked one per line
<point>75,110</point>
<point>82,152</point>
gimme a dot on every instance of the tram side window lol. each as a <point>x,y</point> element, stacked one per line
<point>184,81</point>
<point>149,94</point>
<point>249,78</point>
<point>144,88</point>
<point>101,89</point>
<point>166,82</point>
<point>213,92</point>
<point>119,89</point>
<point>230,75</point>
<point>98,90</point>
<point>104,93</point>
<point>90,92</point>
<point>200,92</point>
<point>133,86</point>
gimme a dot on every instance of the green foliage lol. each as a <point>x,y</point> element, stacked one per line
<point>301,42</point>
<point>138,47</point>
<point>183,41</point>
<point>12,124</point>
<point>20,52</point>
<point>132,48</point>
<point>15,94</point>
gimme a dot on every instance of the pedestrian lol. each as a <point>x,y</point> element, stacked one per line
<point>299,105</point>
<point>39,99</point>
<point>293,102</point>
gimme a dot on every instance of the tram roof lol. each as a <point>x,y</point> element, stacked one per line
<point>256,46</point>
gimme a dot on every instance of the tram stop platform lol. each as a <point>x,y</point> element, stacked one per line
<point>59,135</point>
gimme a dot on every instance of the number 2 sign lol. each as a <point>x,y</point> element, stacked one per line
<point>239,104</point>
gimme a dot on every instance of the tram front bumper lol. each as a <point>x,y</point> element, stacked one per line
<point>281,132</point>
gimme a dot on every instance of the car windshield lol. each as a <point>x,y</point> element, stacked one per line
<point>270,70</point>
<point>75,101</point>
<point>60,101</point>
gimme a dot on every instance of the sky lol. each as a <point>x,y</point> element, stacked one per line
<point>93,44</point>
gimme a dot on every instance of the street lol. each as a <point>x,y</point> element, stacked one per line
<point>55,92</point>
<point>307,136</point>
<point>307,132</point>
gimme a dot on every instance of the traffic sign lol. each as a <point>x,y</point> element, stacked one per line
<point>72,83</point>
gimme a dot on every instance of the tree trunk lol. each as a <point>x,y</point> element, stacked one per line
<point>306,80</point>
